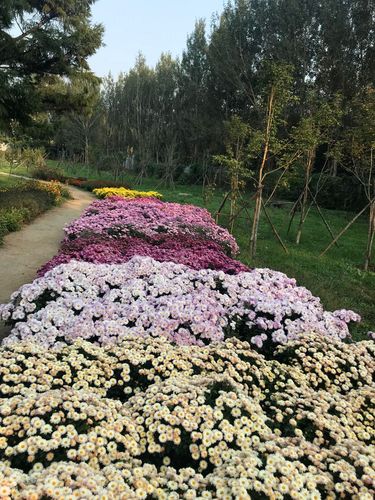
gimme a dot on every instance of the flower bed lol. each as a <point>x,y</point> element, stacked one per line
<point>145,297</point>
<point>134,370</point>
<point>149,219</point>
<point>196,253</point>
<point>145,419</point>
<point>122,192</point>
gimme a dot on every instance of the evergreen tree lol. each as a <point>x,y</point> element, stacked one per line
<point>51,37</point>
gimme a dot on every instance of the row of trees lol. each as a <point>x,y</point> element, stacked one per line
<point>175,114</point>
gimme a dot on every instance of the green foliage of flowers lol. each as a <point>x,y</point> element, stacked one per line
<point>12,220</point>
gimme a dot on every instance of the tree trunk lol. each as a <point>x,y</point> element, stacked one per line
<point>254,231</point>
<point>305,197</point>
<point>334,168</point>
<point>86,153</point>
<point>233,199</point>
<point>371,236</point>
<point>260,180</point>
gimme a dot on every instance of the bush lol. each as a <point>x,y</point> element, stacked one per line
<point>76,181</point>
<point>11,220</point>
<point>92,184</point>
<point>31,158</point>
<point>104,302</point>
<point>220,421</point>
<point>45,173</point>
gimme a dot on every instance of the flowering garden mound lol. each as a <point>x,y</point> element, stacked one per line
<point>134,370</point>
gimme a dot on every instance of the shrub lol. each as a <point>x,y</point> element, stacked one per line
<point>133,365</point>
<point>90,185</point>
<point>45,173</point>
<point>77,182</point>
<point>86,418</point>
<point>12,219</point>
<point>149,419</point>
<point>24,201</point>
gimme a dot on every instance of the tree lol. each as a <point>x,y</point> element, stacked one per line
<point>197,125</point>
<point>234,55</point>
<point>40,38</point>
<point>355,153</point>
<point>75,126</point>
<point>266,146</point>
<point>236,160</point>
<point>361,150</point>
<point>317,127</point>
<point>166,118</point>
<point>345,48</point>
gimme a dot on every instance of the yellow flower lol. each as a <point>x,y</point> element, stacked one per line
<point>125,193</point>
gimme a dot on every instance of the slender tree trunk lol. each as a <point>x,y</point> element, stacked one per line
<point>334,168</point>
<point>255,227</point>
<point>305,197</point>
<point>233,199</point>
<point>371,236</point>
<point>87,147</point>
<point>260,180</point>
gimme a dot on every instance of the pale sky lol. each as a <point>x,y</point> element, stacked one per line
<point>149,26</point>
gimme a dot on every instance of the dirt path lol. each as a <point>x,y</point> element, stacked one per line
<point>26,250</point>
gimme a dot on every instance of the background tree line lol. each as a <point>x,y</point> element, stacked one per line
<point>274,95</point>
<point>173,116</point>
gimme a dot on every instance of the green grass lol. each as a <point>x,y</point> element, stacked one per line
<point>336,278</point>
<point>21,170</point>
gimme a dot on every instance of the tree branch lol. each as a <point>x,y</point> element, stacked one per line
<point>34,28</point>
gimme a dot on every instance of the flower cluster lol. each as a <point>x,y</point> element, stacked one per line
<point>103,303</point>
<point>150,219</point>
<point>54,188</point>
<point>196,253</point>
<point>144,362</point>
<point>147,419</point>
<point>107,192</point>
<point>65,424</point>
<point>331,366</point>
<point>131,366</point>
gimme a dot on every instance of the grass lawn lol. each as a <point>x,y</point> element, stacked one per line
<point>336,278</point>
<point>21,170</point>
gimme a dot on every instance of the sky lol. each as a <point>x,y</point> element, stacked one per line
<point>147,26</point>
